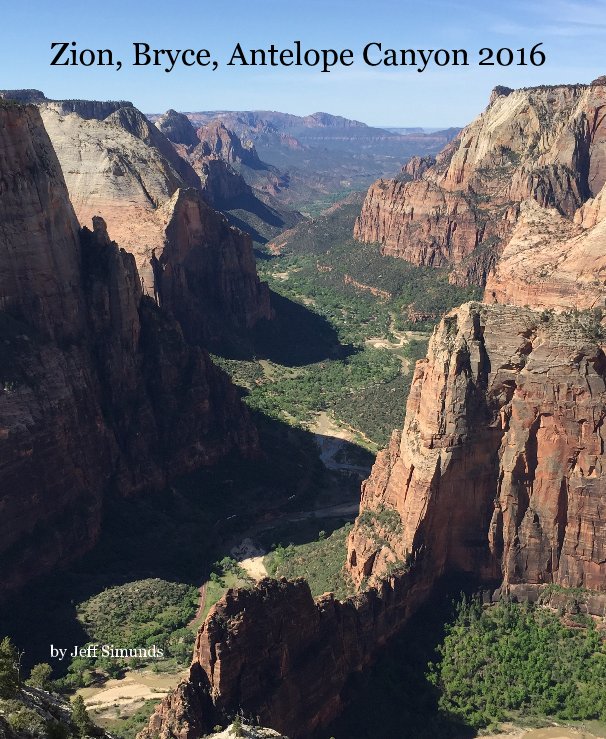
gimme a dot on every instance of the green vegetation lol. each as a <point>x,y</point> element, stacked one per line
<point>141,614</point>
<point>9,669</point>
<point>80,718</point>
<point>40,676</point>
<point>362,367</point>
<point>510,660</point>
<point>320,562</point>
<point>226,574</point>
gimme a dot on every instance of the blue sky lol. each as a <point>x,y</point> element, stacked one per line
<point>572,31</point>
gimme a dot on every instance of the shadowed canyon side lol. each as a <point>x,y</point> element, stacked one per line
<point>99,391</point>
<point>120,166</point>
<point>547,144</point>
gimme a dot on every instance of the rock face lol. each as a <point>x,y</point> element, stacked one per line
<point>200,285</point>
<point>117,164</point>
<point>217,140</point>
<point>177,128</point>
<point>498,470</point>
<point>98,390</point>
<point>546,144</point>
<point>275,653</point>
<point>551,262</point>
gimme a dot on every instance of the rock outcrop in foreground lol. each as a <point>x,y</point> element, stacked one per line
<point>546,144</point>
<point>279,656</point>
<point>99,391</point>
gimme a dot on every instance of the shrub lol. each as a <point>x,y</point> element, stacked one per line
<point>40,676</point>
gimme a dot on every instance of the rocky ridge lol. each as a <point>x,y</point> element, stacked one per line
<point>276,654</point>
<point>117,164</point>
<point>546,144</point>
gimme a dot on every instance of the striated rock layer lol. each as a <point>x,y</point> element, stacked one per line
<point>281,657</point>
<point>498,470</point>
<point>551,262</point>
<point>120,166</point>
<point>547,144</point>
<point>98,390</point>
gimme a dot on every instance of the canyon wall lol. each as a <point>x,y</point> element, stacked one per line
<point>98,389</point>
<point>546,144</point>
<point>120,166</point>
<point>498,470</point>
<point>551,262</point>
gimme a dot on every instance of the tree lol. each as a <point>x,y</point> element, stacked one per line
<point>40,676</point>
<point>236,727</point>
<point>9,669</point>
<point>80,717</point>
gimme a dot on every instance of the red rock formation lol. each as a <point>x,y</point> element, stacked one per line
<point>217,140</point>
<point>546,144</point>
<point>498,471</point>
<point>120,166</point>
<point>98,389</point>
<point>276,654</point>
<point>206,274</point>
<point>416,167</point>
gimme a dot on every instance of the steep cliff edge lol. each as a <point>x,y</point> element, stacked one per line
<point>547,144</point>
<point>498,470</point>
<point>202,286</point>
<point>552,263</point>
<point>98,389</point>
<point>120,166</point>
<point>281,657</point>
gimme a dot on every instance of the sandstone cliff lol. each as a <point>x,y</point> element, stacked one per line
<point>498,470</point>
<point>546,144</point>
<point>206,287</point>
<point>98,389</point>
<point>281,657</point>
<point>118,165</point>
<point>552,263</point>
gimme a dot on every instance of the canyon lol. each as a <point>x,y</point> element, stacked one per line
<point>107,389</point>
<point>100,393</point>
<point>496,475</point>
<point>307,158</point>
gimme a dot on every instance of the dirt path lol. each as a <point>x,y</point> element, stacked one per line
<point>553,732</point>
<point>136,687</point>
